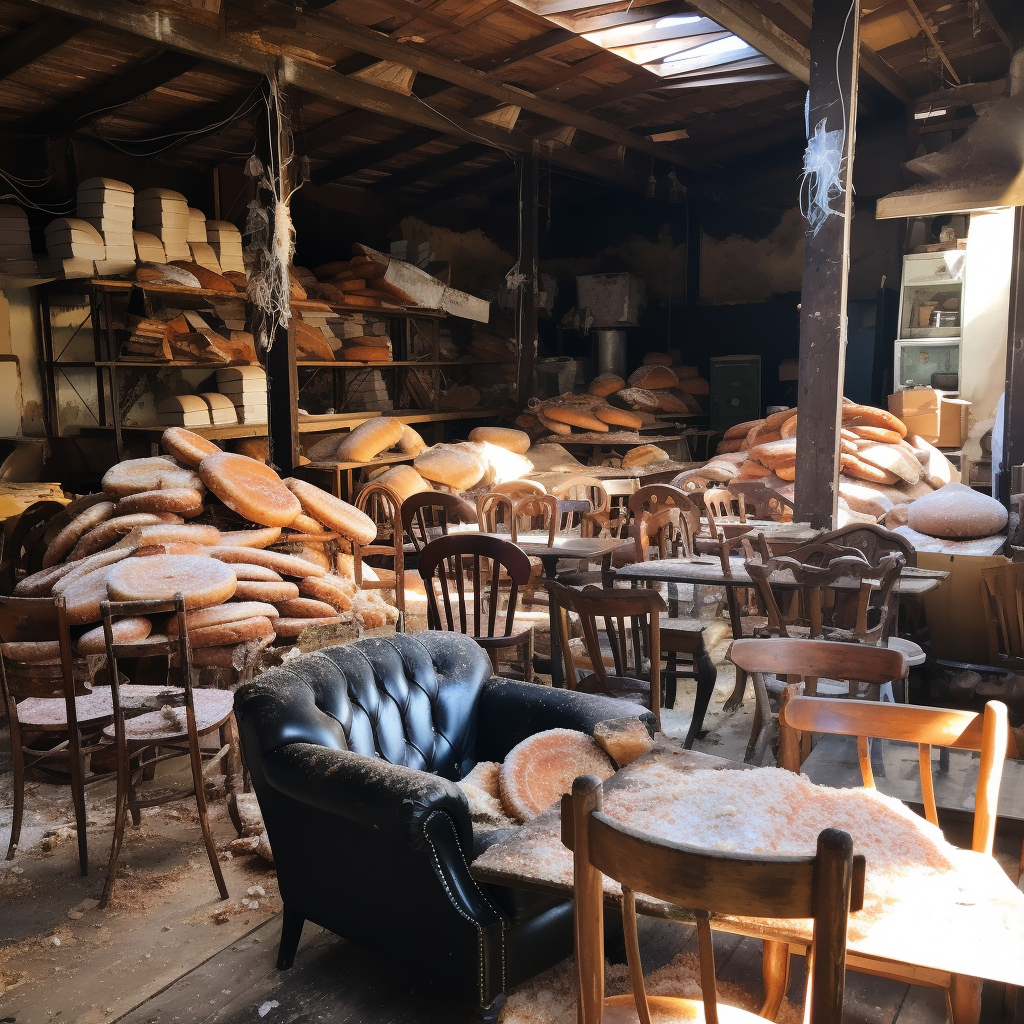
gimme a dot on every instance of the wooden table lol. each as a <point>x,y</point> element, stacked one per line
<point>535,544</point>
<point>967,923</point>
<point>706,570</point>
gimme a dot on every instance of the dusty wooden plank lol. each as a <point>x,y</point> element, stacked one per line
<point>21,48</point>
<point>529,214</point>
<point>835,41</point>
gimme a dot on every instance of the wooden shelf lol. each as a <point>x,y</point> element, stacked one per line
<point>412,312</point>
<point>111,284</point>
<point>348,365</point>
<point>121,364</point>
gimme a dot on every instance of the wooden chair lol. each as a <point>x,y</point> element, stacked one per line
<point>825,887</point>
<point>450,560</point>
<point>655,498</point>
<point>44,703</point>
<point>927,727</point>
<point>518,488</point>
<point>806,661</point>
<point>24,548</point>
<point>762,501</point>
<point>427,515</point>
<point>618,505</point>
<point>724,506</point>
<point>599,518</point>
<point>383,506</point>
<point>536,513</point>
<point>632,634</point>
<point>1002,589</point>
<point>871,540</point>
<point>145,739</point>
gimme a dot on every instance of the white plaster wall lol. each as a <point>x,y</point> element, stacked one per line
<point>19,336</point>
<point>985,315</point>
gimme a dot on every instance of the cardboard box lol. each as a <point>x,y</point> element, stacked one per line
<point>931,414</point>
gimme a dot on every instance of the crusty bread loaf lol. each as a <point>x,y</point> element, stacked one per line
<point>695,386</point>
<point>651,378</point>
<point>207,278</point>
<point>553,425</point>
<point>334,513</point>
<point>880,434</point>
<point>643,456</point>
<point>618,417</point>
<point>740,430</point>
<point>606,384</point>
<point>250,488</point>
<point>457,468</point>
<point>369,439</point>
<point>403,480</point>
<point>773,453</point>
<point>504,437</point>
<point>637,399</point>
<point>365,354</point>
<point>735,444</point>
<point>671,403</point>
<point>657,359</point>
<point>870,416</point>
<point>124,631</point>
<point>310,344</point>
<point>956,512</point>
<point>410,442</point>
<point>788,428</point>
<point>576,416</point>
<point>853,466</point>
<point>893,459</point>
<point>68,538</point>
<point>134,475</point>
<point>936,468</point>
<point>185,446</point>
<point>184,501</point>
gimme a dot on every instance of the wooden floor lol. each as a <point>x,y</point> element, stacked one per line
<point>332,980</point>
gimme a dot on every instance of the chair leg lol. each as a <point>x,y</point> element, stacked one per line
<point>291,931</point>
<point>775,976</point>
<point>738,691</point>
<point>671,680</point>
<point>120,813</point>
<point>196,758</point>
<point>78,797</point>
<point>707,675</point>
<point>18,759</point>
<point>963,998</point>
<point>528,664</point>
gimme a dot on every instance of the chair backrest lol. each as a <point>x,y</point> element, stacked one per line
<point>655,498</point>
<point>723,504</point>
<point>32,620</point>
<point>1002,588</point>
<point>632,630</point>
<point>573,515</point>
<point>384,506</point>
<point>824,887</point>
<point>844,593</point>
<point>494,510</point>
<point>428,514</point>
<point>584,488</point>
<point>519,488</point>
<point>927,727</point>
<point>474,564</point>
<point>173,645</point>
<point>763,502</point>
<point>537,512</point>
<point>23,550</point>
<point>873,540</point>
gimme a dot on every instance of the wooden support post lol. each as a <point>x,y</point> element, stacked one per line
<point>835,41</point>
<point>1013,409</point>
<point>694,237</point>
<point>282,376</point>
<point>526,321</point>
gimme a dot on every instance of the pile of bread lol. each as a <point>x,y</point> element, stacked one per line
<point>882,468</point>
<point>357,283</point>
<point>252,554</point>
<point>491,455</point>
<point>185,274</point>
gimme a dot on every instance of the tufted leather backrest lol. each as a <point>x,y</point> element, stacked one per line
<point>409,698</point>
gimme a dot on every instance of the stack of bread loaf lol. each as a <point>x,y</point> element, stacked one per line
<point>186,274</point>
<point>357,283</point>
<point>251,553</point>
<point>882,468</point>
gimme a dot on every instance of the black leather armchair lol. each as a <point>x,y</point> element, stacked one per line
<point>354,752</point>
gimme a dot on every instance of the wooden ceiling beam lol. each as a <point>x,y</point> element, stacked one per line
<point>369,156</point>
<point>426,169</point>
<point>927,29</point>
<point>1000,16</point>
<point>181,35</point>
<point>84,108</point>
<point>521,51</point>
<point>470,182</point>
<point>205,121</point>
<point>20,48</point>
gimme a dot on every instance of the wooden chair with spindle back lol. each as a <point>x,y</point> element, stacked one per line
<point>384,507</point>
<point>588,488</point>
<point>145,735</point>
<point>518,488</point>
<point>494,512</point>
<point>44,701</point>
<point>539,512</point>
<point>655,498</point>
<point>427,515</point>
<point>482,570</point>
<point>762,501</point>
<point>824,887</point>
<point>618,492</point>
<point>985,733</point>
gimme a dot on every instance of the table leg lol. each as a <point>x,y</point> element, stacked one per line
<point>557,669</point>
<point>964,998</point>
<point>775,974</point>
<point>735,699</point>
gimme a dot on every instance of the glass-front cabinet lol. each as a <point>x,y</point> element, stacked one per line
<point>931,307</point>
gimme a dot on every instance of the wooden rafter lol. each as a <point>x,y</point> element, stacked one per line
<point>426,169</point>
<point>21,48</point>
<point>376,154</point>
<point>521,51</point>
<point>926,28</point>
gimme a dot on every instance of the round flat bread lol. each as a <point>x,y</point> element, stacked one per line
<point>324,589</point>
<point>334,513</point>
<point>76,570</point>
<point>85,595</point>
<point>238,631</point>
<point>250,488</point>
<point>124,631</point>
<point>261,538</point>
<point>153,474</point>
<point>286,565</point>
<point>233,611</point>
<point>109,531</point>
<point>185,501</point>
<point>254,573</point>
<point>66,540</point>
<point>539,770</point>
<point>173,533</point>
<point>187,447</point>
<point>293,627</point>
<point>504,437</point>
<point>306,608</point>
<point>202,581</point>
<point>410,442</point>
<point>271,593</point>
<point>33,652</point>
<point>956,512</point>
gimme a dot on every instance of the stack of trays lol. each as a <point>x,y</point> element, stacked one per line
<point>183,411</point>
<point>222,409</point>
<point>15,243</point>
<point>202,251</point>
<point>109,206</point>
<point>75,240</point>
<point>149,248</point>
<point>226,241</point>
<point>246,386</point>
<point>164,213</point>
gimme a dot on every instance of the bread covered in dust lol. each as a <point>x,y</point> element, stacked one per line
<point>504,437</point>
<point>956,512</point>
<point>605,384</point>
<point>643,456</point>
<point>652,378</point>
<point>369,439</point>
<point>449,466</point>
